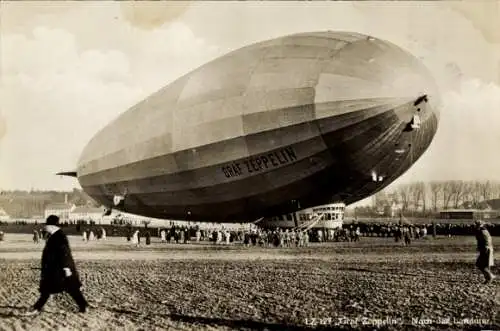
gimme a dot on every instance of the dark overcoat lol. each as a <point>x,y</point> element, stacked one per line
<point>55,257</point>
<point>485,249</point>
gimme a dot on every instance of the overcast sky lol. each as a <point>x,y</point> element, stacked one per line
<point>68,68</point>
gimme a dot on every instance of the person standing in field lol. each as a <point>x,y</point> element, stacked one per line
<point>135,238</point>
<point>485,248</point>
<point>59,272</point>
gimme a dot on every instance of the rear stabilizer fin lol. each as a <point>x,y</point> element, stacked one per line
<point>67,173</point>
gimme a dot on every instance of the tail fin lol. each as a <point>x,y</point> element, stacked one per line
<point>67,173</point>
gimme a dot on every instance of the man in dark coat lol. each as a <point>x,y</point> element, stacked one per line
<point>485,248</point>
<point>59,272</point>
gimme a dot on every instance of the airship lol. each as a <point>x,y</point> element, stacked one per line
<point>268,129</point>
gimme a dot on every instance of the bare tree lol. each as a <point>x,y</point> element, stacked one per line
<point>380,199</point>
<point>468,195</point>
<point>417,192</point>
<point>404,193</point>
<point>494,190</point>
<point>447,193</point>
<point>458,191</point>
<point>485,189</point>
<point>423,190</point>
<point>392,198</point>
<point>475,193</point>
<point>436,188</point>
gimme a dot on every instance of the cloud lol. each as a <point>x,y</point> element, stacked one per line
<point>64,76</point>
<point>165,54</point>
<point>483,15</point>
<point>55,96</point>
<point>47,50</point>
<point>105,66</point>
<point>468,138</point>
<point>150,15</point>
<point>470,132</point>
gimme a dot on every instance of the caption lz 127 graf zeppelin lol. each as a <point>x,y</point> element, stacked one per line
<point>379,322</point>
<point>260,162</point>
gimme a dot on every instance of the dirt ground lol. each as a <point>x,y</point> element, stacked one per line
<point>372,284</point>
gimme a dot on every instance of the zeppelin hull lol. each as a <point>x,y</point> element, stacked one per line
<point>269,129</point>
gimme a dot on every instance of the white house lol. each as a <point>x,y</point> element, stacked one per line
<point>85,213</point>
<point>396,209</point>
<point>62,210</point>
<point>4,217</point>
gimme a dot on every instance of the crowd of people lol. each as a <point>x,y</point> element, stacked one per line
<point>261,237</point>
<point>221,236</point>
<point>59,274</point>
<point>277,237</point>
<point>376,229</point>
<point>87,234</point>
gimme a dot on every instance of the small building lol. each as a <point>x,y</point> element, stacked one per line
<point>493,204</point>
<point>467,214</point>
<point>85,213</point>
<point>62,210</point>
<point>4,217</point>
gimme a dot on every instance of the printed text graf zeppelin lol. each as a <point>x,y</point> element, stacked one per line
<point>260,162</point>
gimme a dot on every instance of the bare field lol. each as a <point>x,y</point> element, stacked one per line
<point>375,283</point>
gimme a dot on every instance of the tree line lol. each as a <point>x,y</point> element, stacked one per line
<point>28,204</point>
<point>419,198</point>
<point>429,198</point>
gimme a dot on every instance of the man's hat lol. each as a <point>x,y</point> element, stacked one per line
<point>52,220</point>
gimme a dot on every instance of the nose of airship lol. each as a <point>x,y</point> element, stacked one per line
<point>420,83</point>
<point>379,74</point>
<point>406,80</point>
